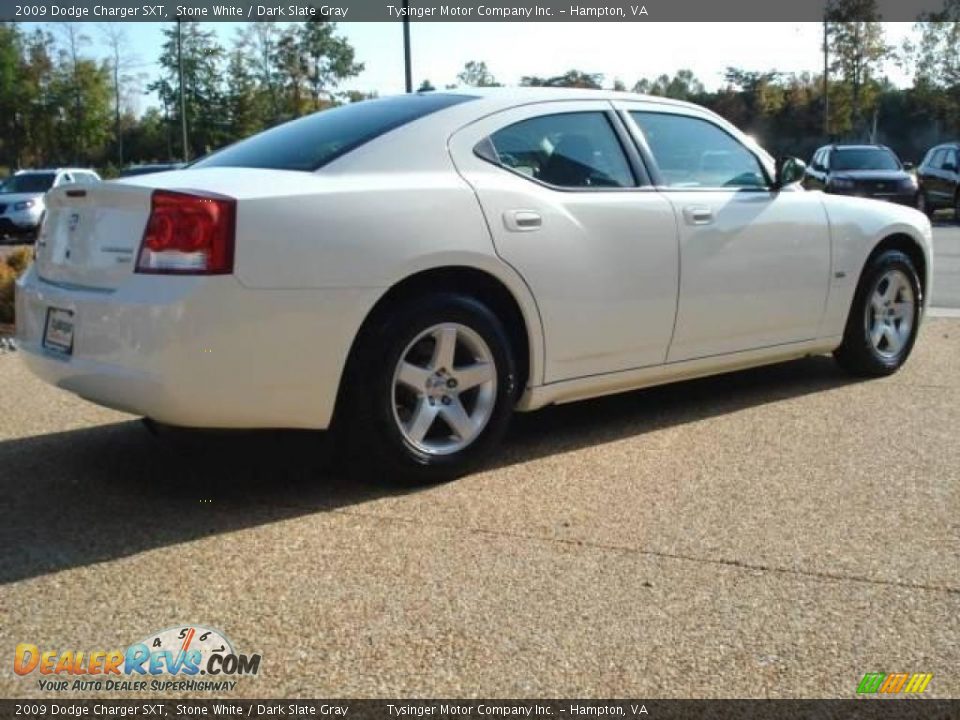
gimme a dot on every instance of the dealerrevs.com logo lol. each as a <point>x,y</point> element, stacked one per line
<point>179,659</point>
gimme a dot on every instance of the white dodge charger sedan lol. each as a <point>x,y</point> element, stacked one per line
<point>411,270</point>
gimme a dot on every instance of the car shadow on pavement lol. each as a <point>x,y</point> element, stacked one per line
<point>74,498</point>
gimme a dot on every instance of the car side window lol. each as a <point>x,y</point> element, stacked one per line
<point>952,160</point>
<point>577,150</point>
<point>938,159</point>
<point>695,153</point>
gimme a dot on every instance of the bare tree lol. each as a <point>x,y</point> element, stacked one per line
<point>73,42</point>
<point>121,63</point>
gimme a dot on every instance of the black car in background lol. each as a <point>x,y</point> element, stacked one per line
<point>939,179</point>
<point>872,171</point>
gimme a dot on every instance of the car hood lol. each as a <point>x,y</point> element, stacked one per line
<point>891,175</point>
<point>10,198</point>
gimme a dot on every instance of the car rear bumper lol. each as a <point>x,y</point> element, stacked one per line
<point>195,351</point>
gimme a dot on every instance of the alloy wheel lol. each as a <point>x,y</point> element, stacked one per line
<point>444,389</point>
<point>890,312</point>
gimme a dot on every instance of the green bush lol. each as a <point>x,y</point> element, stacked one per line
<point>7,278</point>
<point>11,267</point>
<point>19,260</point>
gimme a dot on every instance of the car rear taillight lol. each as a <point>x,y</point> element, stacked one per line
<point>188,233</point>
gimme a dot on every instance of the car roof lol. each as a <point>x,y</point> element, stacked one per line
<point>492,100</point>
<point>54,170</point>
<point>503,98</point>
<point>482,103</point>
<point>518,95</point>
<point>842,146</point>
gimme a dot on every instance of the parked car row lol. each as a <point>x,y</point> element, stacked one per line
<point>875,171</point>
<point>939,178</point>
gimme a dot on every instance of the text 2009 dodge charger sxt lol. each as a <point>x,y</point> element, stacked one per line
<point>414,268</point>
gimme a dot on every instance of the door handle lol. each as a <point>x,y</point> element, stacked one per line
<point>698,215</point>
<point>522,220</point>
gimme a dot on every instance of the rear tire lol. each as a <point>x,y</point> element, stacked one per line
<point>884,317</point>
<point>430,391</point>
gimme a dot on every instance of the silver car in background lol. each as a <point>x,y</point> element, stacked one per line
<point>22,197</point>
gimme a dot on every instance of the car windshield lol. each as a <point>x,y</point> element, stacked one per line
<point>315,140</point>
<point>863,159</point>
<point>29,183</point>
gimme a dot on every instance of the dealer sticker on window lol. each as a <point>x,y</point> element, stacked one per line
<point>58,334</point>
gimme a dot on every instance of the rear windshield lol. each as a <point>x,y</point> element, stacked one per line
<point>313,141</point>
<point>864,159</point>
<point>32,183</point>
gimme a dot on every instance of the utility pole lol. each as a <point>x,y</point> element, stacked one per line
<point>407,69</point>
<point>826,74</point>
<point>116,107</point>
<point>183,99</point>
<point>167,127</point>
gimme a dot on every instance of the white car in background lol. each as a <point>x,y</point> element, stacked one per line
<point>413,269</point>
<point>21,197</point>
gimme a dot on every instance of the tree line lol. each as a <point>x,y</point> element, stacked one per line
<point>851,101</point>
<point>60,105</point>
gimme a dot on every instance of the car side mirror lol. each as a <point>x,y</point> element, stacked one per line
<point>789,171</point>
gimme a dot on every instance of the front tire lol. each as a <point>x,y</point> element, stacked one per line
<point>884,317</point>
<point>431,391</point>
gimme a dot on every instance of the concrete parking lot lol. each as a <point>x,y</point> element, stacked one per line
<point>946,271</point>
<point>777,532</point>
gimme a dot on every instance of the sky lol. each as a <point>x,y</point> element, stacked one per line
<point>625,51</point>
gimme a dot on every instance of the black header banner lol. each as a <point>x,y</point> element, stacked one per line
<point>865,709</point>
<point>432,11</point>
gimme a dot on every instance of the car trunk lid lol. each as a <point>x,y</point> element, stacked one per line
<point>91,235</point>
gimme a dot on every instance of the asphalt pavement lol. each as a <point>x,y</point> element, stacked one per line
<point>778,532</point>
<point>946,264</point>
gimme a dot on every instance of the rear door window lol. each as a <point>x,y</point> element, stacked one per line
<point>311,142</point>
<point>577,150</point>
